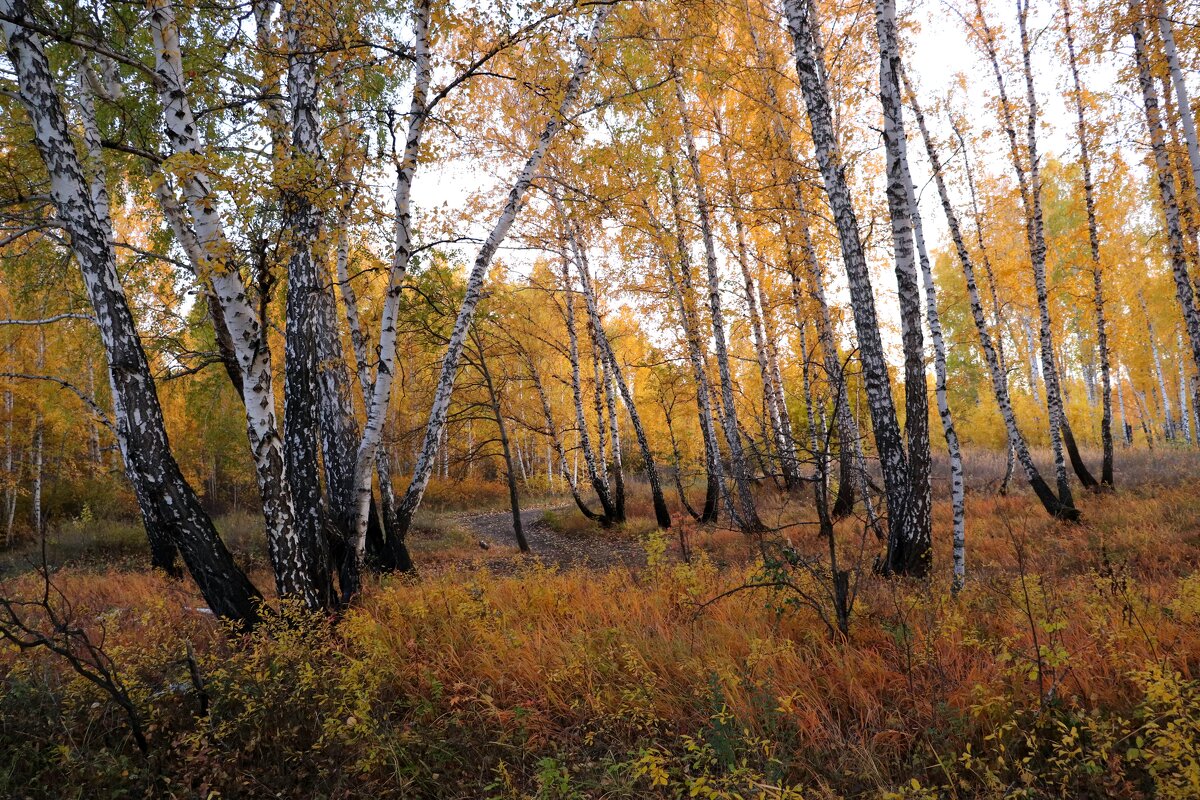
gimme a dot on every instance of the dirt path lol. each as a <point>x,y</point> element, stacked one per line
<point>595,550</point>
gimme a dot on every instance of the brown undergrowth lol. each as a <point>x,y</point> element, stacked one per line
<point>1067,667</point>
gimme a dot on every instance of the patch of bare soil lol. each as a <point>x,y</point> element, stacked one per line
<point>599,550</point>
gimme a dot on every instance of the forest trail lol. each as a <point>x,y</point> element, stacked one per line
<point>598,549</point>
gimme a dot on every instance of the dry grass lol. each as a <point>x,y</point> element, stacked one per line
<point>1067,667</point>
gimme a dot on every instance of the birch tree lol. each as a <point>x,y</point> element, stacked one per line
<point>437,416</point>
<point>168,503</point>
<point>1184,290</point>
<point>888,441</point>
<point>988,335</point>
<point>1089,192</point>
<point>297,559</point>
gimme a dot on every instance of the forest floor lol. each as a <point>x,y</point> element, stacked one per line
<point>594,548</point>
<point>602,666</point>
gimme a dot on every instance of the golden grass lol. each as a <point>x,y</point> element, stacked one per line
<point>465,683</point>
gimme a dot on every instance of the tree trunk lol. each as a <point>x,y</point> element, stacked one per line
<point>776,412</point>
<point>957,487</point>
<point>1126,428</point>
<point>170,507</point>
<point>888,440</point>
<point>847,428</point>
<point>1089,191</point>
<point>445,385</point>
<point>393,552</point>
<point>297,557</point>
<point>1031,200</point>
<point>737,460</point>
<point>1050,501</point>
<point>1061,435</point>
<point>662,515</point>
<point>1184,291</point>
<point>304,316</point>
<point>513,496</point>
<point>910,548</point>
<point>684,298</point>
<point>595,474</point>
<point>555,438</point>
<point>381,388</point>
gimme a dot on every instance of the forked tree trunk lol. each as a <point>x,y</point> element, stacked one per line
<point>957,487</point>
<point>684,298</point>
<point>169,505</point>
<point>392,552</point>
<point>381,389</point>
<point>593,467</point>
<point>556,439</point>
<point>847,428</point>
<point>661,514</point>
<point>1037,243</point>
<point>1030,188</point>
<point>888,440</point>
<point>297,558</point>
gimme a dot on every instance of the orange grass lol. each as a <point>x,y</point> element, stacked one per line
<point>466,683</point>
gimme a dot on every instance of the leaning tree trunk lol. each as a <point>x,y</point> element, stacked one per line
<point>1030,190</point>
<point>392,552</point>
<point>737,457</point>
<point>555,437</point>
<point>684,298</point>
<point>776,410</point>
<point>1037,245</point>
<point>888,440</point>
<point>910,550</point>
<point>847,427</point>
<point>1183,102</point>
<point>1050,501</point>
<point>1089,193</point>
<point>168,502</point>
<point>594,471</point>
<point>466,314</point>
<point>1184,291</point>
<point>514,497</point>
<point>661,514</point>
<point>381,389</point>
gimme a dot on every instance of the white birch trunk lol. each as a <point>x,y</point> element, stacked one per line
<point>296,562</point>
<point>933,317</point>
<point>169,505</point>
<point>737,457</point>
<point>445,386</point>
<point>889,443</point>
<point>910,548</point>
<point>987,340</point>
<point>1184,290</point>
